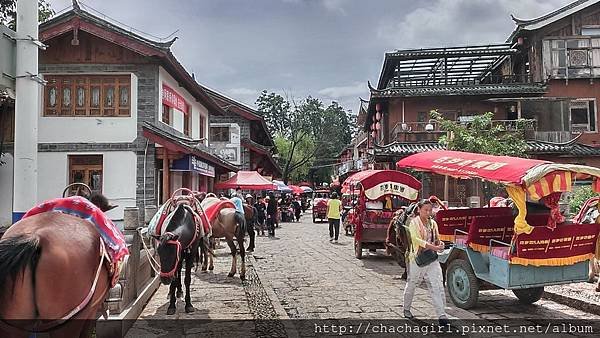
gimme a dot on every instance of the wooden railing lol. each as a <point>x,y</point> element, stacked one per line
<point>430,131</point>
<point>430,81</point>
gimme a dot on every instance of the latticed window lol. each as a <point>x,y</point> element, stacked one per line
<point>219,134</point>
<point>87,95</point>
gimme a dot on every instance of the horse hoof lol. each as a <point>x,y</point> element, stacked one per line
<point>211,268</point>
<point>230,274</point>
<point>189,309</point>
<point>179,294</point>
<point>243,278</point>
<point>171,311</point>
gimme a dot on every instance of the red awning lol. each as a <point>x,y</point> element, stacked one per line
<point>296,189</point>
<point>499,169</point>
<point>371,178</point>
<point>246,180</point>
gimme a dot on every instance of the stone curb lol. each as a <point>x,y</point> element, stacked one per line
<point>575,303</point>
<point>281,313</point>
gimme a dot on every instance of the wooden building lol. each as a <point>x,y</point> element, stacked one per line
<point>545,73</point>
<point>121,114</point>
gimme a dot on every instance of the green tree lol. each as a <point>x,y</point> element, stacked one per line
<point>8,12</point>
<point>481,135</point>
<point>308,132</point>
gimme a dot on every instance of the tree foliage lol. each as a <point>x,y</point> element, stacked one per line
<point>579,197</point>
<point>8,12</point>
<point>307,132</point>
<point>482,135</point>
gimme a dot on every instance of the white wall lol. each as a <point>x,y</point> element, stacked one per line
<point>6,189</point>
<point>119,177</point>
<point>177,116</point>
<point>91,129</point>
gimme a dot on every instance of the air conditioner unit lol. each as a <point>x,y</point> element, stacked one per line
<point>474,202</point>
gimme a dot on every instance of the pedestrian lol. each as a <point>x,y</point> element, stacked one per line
<point>423,263</point>
<point>334,210</point>
<point>250,224</point>
<point>297,209</point>
<point>260,216</point>
<point>271,214</point>
<point>237,201</point>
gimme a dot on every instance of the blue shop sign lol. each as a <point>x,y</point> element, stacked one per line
<point>194,164</point>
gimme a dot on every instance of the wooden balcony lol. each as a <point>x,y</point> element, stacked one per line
<point>430,131</point>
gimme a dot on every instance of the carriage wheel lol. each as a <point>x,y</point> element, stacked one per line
<point>463,285</point>
<point>530,295</point>
<point>357,249</point>
<point>79,185</point>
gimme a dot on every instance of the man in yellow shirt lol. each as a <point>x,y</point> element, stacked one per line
<point>334,212</point>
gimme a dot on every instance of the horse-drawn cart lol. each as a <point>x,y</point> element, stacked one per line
<point>319,208</point>
<point>374,189</point>
<point>511,250</point>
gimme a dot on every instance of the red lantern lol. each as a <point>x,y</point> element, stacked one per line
<point>378,126</point>
<point>374,134</point>
<point>378,116</point>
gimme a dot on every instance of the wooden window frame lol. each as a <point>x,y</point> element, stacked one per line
<point>166,115</point>
<point>88,164</point>
<point>202,126</point>
<point>187,122</point>
<point>592,117</point>
<point>103,83</point>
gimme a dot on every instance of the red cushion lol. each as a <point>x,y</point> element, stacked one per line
<point>500,252</point>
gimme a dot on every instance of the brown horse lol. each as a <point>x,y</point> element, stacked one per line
<point>230,225</point>
<point>49,263</point>
<point>398,239</point>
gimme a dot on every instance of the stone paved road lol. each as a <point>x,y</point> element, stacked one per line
<point>301,275</point>
<point>314,278</point>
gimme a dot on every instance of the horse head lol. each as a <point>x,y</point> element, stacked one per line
<point>179,234</point>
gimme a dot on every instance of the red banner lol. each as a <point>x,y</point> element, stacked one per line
<point>173,100</point>
<point>567,244</point>
<point>460,219</point>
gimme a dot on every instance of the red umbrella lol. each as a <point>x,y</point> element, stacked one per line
<point>296,189</point>
<point>246,180</point>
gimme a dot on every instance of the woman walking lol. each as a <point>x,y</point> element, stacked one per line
<point>334,210</point>
<point>423,261</point>
<point>271,214</point>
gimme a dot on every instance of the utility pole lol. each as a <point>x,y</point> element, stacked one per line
<point>27,87</point>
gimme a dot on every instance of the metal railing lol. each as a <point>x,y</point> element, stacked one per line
<point>430,81</point>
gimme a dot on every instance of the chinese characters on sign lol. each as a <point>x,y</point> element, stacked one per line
<point>174,100</point>
<point>202,167</point>
<point>459,162</point>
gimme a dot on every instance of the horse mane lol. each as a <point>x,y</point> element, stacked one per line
<point>16,253</point>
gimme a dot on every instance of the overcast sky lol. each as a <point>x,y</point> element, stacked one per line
<point>324,48</point>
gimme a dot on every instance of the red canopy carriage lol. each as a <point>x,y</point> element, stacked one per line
<point>379,194</point>
<point>523,252</point>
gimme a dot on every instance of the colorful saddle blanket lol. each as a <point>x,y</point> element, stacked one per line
<point>82,208</point>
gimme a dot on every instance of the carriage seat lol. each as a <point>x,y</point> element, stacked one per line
<point>537,219</point>
<point>460,219</point>
<point>502,252</point>
<point>379,216</point>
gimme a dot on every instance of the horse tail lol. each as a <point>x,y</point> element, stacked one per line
<point>240,219</point>
<point>16,253</point>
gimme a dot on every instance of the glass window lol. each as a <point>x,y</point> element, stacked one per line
<point>86,169</point>
<point>219,134</point>
<point>583,115</point>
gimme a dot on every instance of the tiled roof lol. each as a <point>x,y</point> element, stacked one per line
<point>574,149</point>
<point>549,18</point>
<point>187,145</point>
<point>404,149</point>
<point>262,149</point>
<point>492,89</point>
<point>534,148</point>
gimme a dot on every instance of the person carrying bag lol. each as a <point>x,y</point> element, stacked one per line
<point>423,261</point>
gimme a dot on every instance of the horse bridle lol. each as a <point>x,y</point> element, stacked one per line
<point>179,249</point>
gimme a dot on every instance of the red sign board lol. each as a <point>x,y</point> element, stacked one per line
<point>173,100</point>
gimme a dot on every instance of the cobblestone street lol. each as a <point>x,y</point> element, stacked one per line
<point>299,274</point>
<point>314,278</point>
